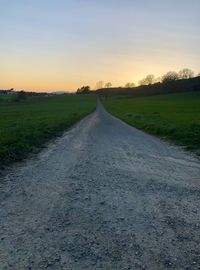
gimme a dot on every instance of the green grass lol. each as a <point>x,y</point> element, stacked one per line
<point>26,125</point>
<point>175,117</point>
<point>6,98</point>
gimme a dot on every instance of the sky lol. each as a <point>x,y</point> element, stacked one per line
<point>60,45</point>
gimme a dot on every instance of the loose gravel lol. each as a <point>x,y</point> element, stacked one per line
<point>103,196</point>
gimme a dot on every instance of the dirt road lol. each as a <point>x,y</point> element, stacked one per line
<point>103,196</point>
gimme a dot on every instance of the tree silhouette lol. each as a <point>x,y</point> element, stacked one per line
<point>129,85</point>
<point>108,85</point>
<point>83,90</point>
<point>99,85</point>
<point>158,80</point>
<point>170,76</point>
<point>186,73</point>
<point>149,79</point>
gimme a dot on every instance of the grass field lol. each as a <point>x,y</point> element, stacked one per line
<point>175,117</point>
<point>26,125</point>
<point>6,98</point>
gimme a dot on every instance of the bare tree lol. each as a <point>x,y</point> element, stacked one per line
<point>129,85</point>
<point>158,80</point>
<point>149,79</point>
<point>108,85</point>
<point>99,85</point>
<point>186,73</point>
<point>170,76</point>
<point>141,82</point>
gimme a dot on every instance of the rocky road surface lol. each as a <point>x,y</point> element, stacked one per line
<point>102,196</point>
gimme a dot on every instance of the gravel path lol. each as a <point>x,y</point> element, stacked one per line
<point>103,196</point>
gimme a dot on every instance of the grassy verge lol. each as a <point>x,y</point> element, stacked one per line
<point>26,125</point>
<point>175,117</point>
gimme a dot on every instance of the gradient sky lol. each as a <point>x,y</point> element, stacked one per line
<point>64,44</point>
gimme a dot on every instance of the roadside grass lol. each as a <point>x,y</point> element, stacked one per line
<point>26,125</point>
<point>175,117</point>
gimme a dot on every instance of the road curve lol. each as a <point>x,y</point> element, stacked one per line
<point>103,196</point>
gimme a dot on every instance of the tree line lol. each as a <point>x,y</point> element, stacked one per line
<point>185,73</point>
<point>172,86</point>
<point>150,79</point>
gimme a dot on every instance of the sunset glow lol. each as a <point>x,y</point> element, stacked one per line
<point>61,45</point>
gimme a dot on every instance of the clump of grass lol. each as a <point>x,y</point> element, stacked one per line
<point>175,117</point>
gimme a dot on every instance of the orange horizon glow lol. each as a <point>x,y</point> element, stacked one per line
<point>60,46</point>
